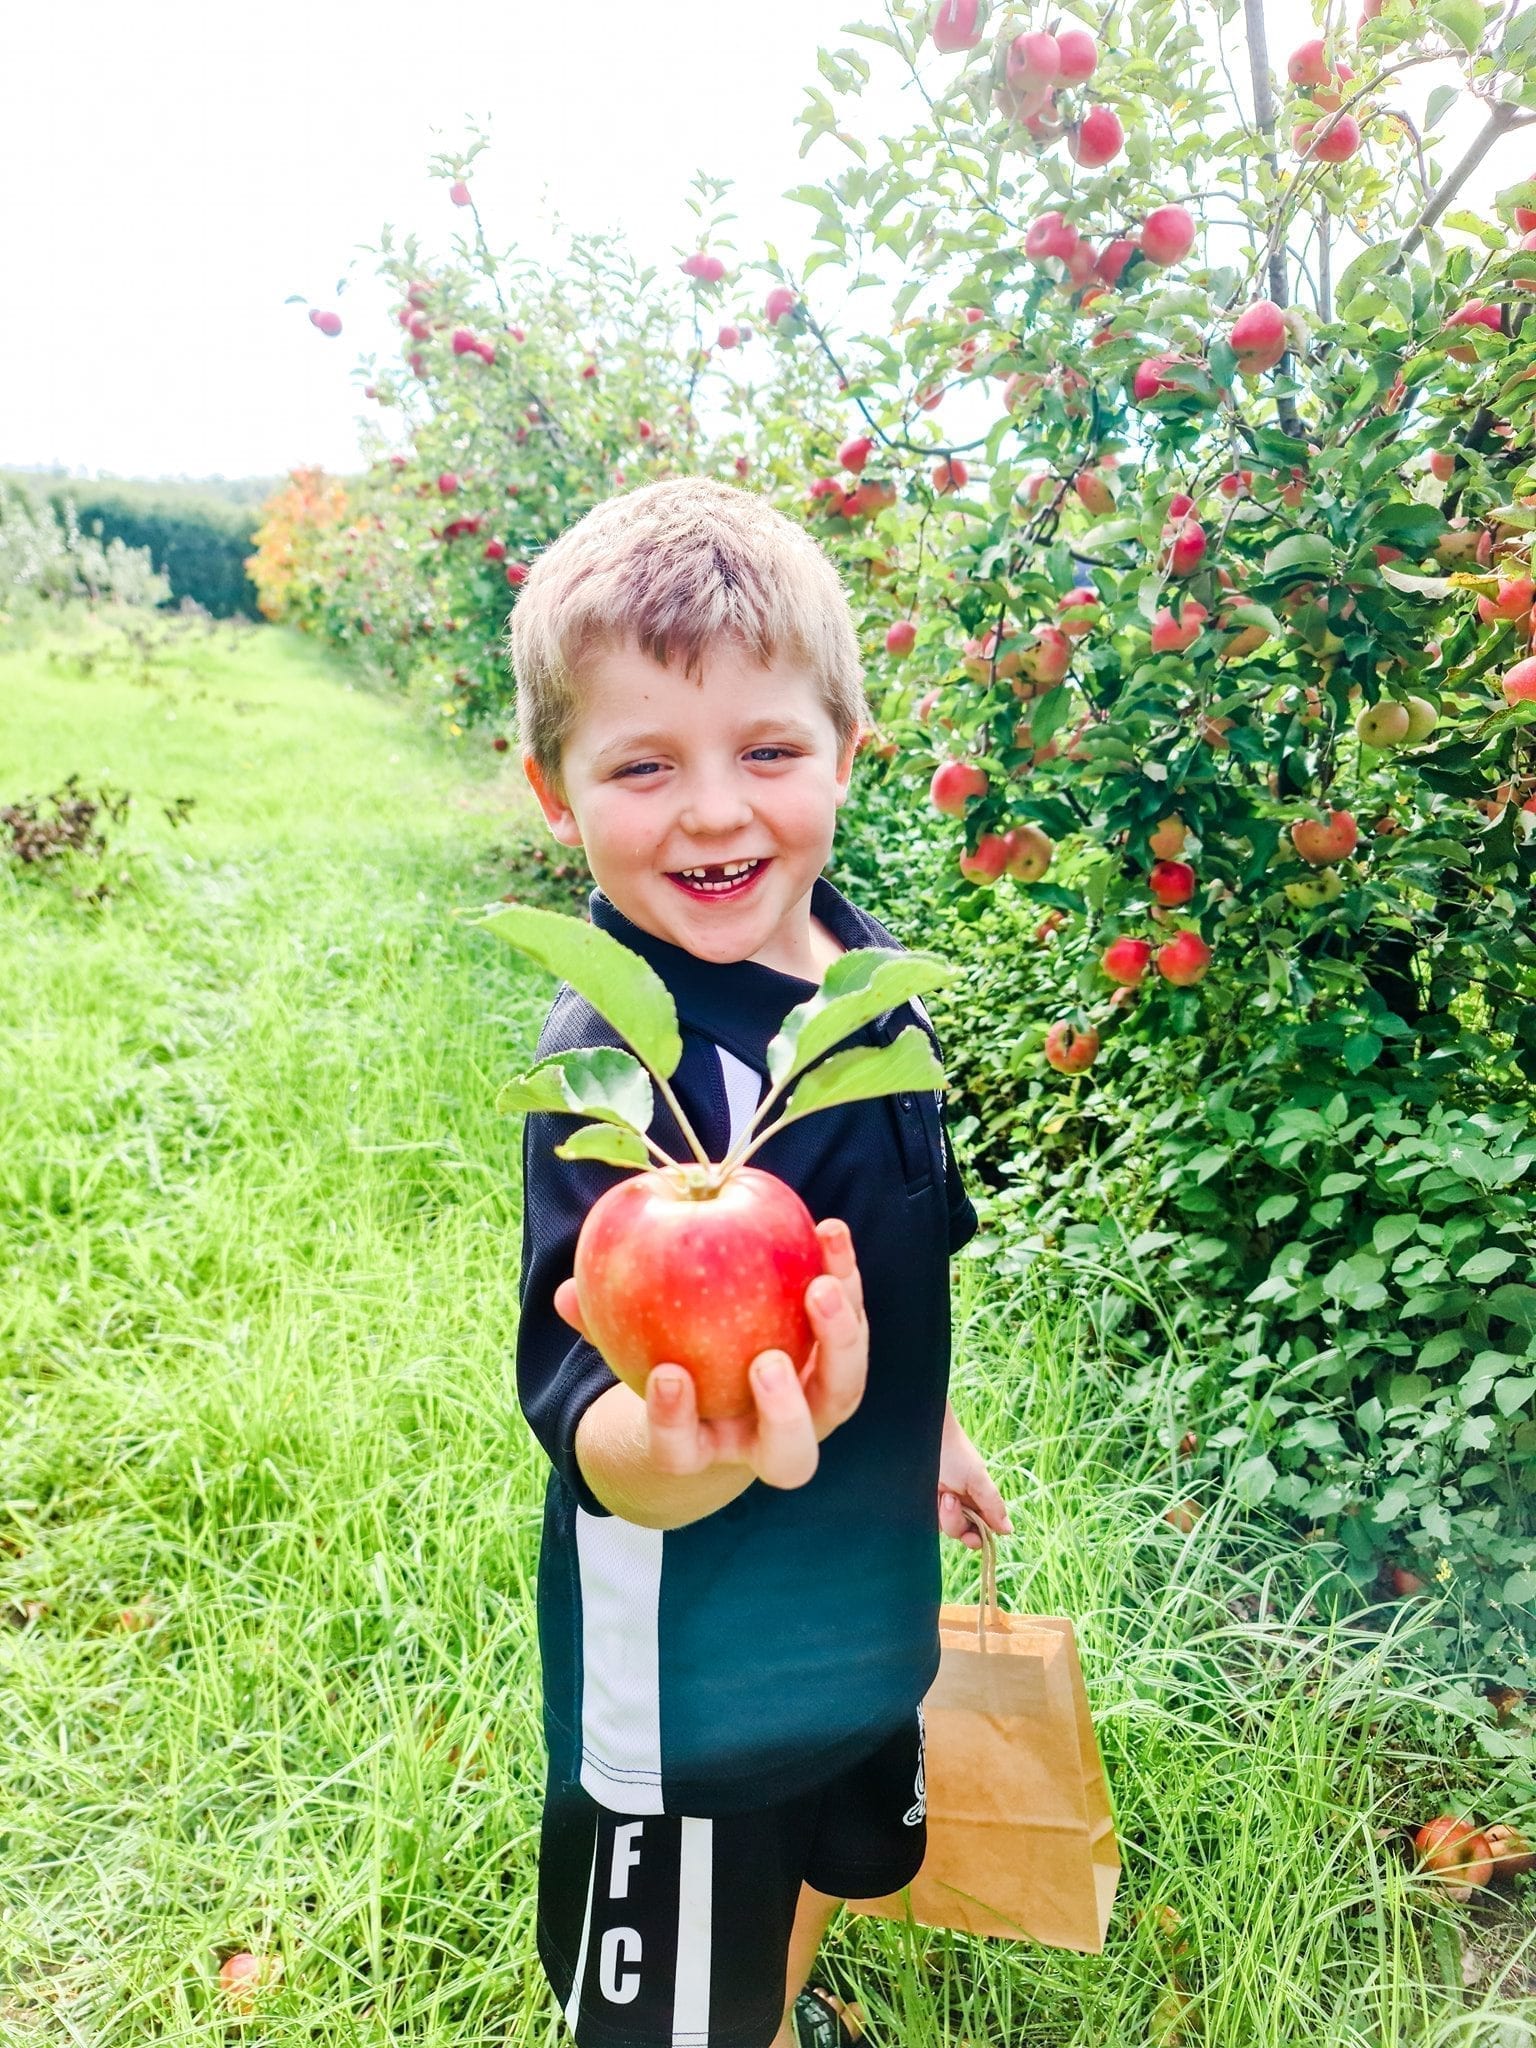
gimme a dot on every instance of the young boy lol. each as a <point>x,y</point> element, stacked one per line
<point>737,1621</point>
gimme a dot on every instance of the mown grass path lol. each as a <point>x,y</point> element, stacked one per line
<point>268,1511</point>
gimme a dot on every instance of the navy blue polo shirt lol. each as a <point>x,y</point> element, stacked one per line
<point>758,1652</point>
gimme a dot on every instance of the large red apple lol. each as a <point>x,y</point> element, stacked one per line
<point>1172,635</point>
<point>1183,961</point>
<point>1050,235</point>
<point>900,639</point>
<point>1309,64</point>
<point>950,475</point>
<point>1515,595</point>
<point>705,1282</point>
<point>1519,684</point>
<point>1033,61</point>
<point>953,784</point>
<point>855,452</point>
<point>1476,313</point>
<point>780,300</point>
<point>1326,142</point>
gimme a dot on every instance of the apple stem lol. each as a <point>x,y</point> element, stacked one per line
<point>690,1137</point>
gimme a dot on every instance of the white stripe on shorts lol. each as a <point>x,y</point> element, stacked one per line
<point>573,2003</point>
<point>695,1887</point>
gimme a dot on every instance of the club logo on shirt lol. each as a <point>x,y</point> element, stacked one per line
<point>918,1810</point>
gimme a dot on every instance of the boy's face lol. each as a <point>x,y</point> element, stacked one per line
<point>663,774</point>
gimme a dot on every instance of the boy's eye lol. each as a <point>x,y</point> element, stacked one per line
<point>774,751</point>
<point>641,768</point>
<point>636,768</point>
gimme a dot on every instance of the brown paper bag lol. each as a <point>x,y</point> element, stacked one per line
<point>1020,1840</point>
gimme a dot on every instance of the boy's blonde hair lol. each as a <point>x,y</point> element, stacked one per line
<point>677,567</point>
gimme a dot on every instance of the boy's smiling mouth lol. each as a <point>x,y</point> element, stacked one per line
<point>730,878</point>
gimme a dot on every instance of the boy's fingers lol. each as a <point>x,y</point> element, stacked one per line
<point>837,1250</point>
<point>568,1307</point>
<point>842,1350</point>
<point>787,1454</point>
<point>672,1420</point>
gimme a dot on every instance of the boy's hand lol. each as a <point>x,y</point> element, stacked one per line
<point>793,1415</point>
<point>964,1482</point>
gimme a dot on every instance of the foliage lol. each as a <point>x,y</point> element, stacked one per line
<point>1352,516</point>
<point>521,395</point>
<point>45,558</point>
<point>286,566</point>
<point>196,534</point>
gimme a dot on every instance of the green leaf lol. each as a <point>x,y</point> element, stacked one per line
<point>592,1080</point>
<point>1273,1207</point>
<point>1462,20</point>
<point>1391,1231</point>
<point>1413,527</point>
<point>1441,100</point>
<point>858,987</point>
<point>1487,1265</point>
<point>1440,1350</point>
<point>624,989</point>
<point>1299,554</point>
<point>1516,1304</point>
<point>1253,1480</point>
<point>1519,1588</point>
<point>606,1143</point>
<point>1511,1394</point>
<point>906,1064</point>
<point>1361,1051</point>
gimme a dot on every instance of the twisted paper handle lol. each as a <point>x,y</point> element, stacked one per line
<point>988,1572</point>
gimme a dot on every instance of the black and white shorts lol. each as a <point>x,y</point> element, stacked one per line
<point>665,1932</point>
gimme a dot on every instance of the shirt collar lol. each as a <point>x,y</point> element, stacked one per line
<point>739,1003</point>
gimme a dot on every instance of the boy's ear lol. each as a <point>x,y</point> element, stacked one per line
<point>558,814</point>
<point>845,769</point>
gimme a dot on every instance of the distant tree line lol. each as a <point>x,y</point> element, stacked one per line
<point>198,533</point>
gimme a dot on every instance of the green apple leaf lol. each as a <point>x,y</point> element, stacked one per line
<point>858,987</point>
<point>865,1071</point>
<point>602,1142</point>
<point>592,1080</point>
<point>624,989</point>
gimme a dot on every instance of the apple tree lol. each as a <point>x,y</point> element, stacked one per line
<point>519,392</point>
<point>1190,495</point>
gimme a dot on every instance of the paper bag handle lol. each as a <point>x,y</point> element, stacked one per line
<point>988,1570</point>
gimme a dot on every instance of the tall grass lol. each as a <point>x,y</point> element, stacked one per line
<point>268,1511</point>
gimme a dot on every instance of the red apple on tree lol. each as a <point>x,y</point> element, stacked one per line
<point>1309,64</point>
<point>1098,138</point>
<point>855,452</point>
<point>954,784</point>
<point>986,861</point>
<point>1476,313</point>
<point>1094,492</point>
<point>1167,235</point>
<point>1070,1050</point>
<point>1077,58</point>
<point>1333,141</point>
<point>900,639</point>
<point>780,301</point>
<point>328,323</point>
<point>950,475</point>
<point>1519,683</point>
<point>1321,841</point>
<point>1184,960</point>
<point>1126,960</point>
<point>1078,612</point>
<point>1027,853</point>
<point>458,192</point>
<point>1033,62</point>
<point>1383,724</point>
<point>1171,882</point>
<point>1172,635</point>
<point>1050,235</point>
<point>1259,337</point>
<point>957,25</point>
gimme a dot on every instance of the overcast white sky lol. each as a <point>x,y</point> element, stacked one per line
<point>170,172</point>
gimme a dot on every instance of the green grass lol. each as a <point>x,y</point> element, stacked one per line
<point>258,1273</point>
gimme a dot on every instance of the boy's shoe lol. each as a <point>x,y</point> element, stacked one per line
<point>821,2020</point>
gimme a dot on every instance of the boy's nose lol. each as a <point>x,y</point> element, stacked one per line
<point>712,809</point>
